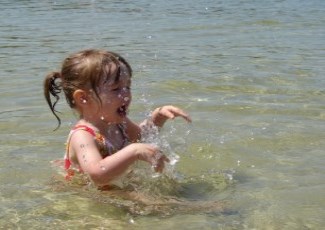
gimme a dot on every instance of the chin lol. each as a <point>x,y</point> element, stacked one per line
<point>121,119</point>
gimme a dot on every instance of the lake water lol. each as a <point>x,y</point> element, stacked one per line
<point>250,73</point>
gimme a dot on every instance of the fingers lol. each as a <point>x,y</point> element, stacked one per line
<point>160,164</point>
<point>164,159</point>
<point>171,112</point>
<point>180,113</point>
<point>158,161</point>
<point>153,155</point>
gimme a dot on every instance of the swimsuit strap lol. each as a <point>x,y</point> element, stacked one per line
<point>85,128</point>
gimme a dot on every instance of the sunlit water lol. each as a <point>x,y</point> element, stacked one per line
<point>250,73</point>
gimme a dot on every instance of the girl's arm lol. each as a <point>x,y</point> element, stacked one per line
<point>158,117</point>
<point>102,171</point>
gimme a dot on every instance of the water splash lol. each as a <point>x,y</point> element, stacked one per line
<point>161,139</point>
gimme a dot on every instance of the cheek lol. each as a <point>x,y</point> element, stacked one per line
<point>107,100</point>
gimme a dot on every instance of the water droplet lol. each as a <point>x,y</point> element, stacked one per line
<point>188,132</point>
<point>174,160</point>
<point>102,168</point>
<point>102,118</point>
<point>229,176</point>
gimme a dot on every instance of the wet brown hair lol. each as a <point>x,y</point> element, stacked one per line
<point>82,70</point>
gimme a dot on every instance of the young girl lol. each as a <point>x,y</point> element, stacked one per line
<point>104,142</point>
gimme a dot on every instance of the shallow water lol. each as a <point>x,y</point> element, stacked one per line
<point>250,73</point>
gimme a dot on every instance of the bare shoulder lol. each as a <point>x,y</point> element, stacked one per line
<point>81,141</point>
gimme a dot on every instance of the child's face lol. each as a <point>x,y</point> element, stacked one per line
<point>115,97</point>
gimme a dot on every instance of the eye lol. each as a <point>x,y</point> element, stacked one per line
<point>115,89</point>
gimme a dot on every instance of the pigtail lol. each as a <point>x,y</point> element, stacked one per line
<point>54,88</point>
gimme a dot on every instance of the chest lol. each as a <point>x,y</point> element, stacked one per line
<point>111,141</point>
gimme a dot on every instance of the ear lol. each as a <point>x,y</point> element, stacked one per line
<point>80,97</point>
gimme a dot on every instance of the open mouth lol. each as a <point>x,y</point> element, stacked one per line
<point>123,110</point>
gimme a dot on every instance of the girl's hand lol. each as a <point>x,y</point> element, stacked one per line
<point>162,114</point>
<point>151,154</point>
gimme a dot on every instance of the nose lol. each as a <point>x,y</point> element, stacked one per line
<point>126,94</point>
